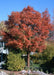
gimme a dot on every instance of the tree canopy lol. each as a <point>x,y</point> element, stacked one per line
<point>28,29</point>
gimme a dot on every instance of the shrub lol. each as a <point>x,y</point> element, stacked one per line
<point>15,62</point>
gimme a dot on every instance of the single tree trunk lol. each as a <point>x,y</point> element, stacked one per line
<point>28,59</point>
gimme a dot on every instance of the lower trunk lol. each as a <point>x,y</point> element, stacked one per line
<point>28,59</point>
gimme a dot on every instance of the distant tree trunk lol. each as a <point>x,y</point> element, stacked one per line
<point>28,59</point>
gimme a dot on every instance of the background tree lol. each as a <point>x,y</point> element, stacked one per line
<point>2,26</point>
<point>48,54</point>
<point>48,58</point>
<point>28,30</point>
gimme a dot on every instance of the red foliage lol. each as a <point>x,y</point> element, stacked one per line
<point>28,29</point>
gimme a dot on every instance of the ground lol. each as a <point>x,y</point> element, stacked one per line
<point>17,72</point>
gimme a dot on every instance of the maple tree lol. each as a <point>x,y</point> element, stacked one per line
<point>28,30</point>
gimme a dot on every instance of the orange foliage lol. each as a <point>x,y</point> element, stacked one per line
<point>28,29</point>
